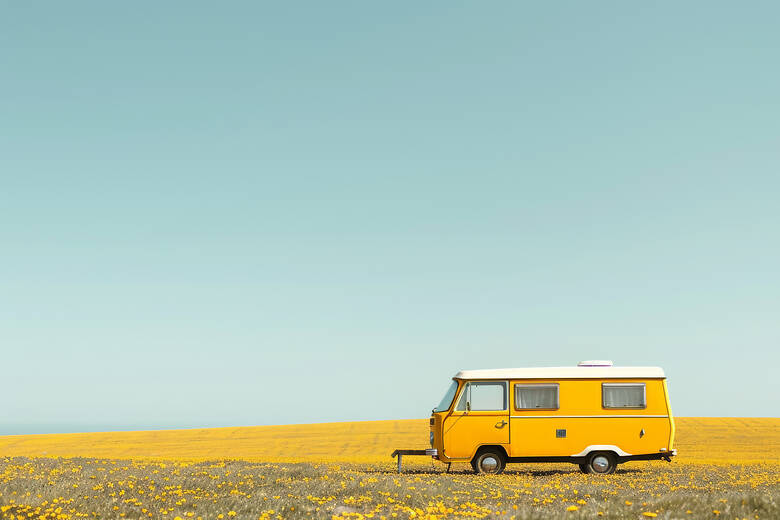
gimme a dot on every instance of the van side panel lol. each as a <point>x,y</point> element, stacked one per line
<point>581,421</point>
<point>536,437</point>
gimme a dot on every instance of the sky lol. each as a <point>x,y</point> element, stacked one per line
<point>246,213</point>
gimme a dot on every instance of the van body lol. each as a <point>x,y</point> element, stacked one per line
<point>594,415</point>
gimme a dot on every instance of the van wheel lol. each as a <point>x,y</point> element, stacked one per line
<point>601,463</point>
<point>488,462</point>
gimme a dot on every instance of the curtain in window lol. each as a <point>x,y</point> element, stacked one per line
<point>624,396</point>
<point>543,397</point>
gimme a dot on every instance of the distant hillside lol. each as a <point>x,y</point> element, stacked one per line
<point>737,440</point>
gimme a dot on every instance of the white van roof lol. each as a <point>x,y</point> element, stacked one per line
<point>579,372</point>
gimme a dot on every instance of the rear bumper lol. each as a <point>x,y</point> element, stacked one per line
<point>661,455</point>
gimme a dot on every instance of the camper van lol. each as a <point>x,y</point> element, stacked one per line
<point>594,415</point>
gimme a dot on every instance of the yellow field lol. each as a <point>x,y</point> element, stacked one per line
<point>718,440</point>
<point>726,468</point>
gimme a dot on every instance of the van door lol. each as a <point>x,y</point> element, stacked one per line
<point>480,417</point>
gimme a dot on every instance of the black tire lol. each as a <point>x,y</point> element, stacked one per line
<point>601,463</point>
<point>584,468</point>
<point>488,462</point>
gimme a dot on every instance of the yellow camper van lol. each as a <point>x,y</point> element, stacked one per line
<point>595,415</point>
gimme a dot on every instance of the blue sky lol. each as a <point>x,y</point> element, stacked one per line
<point>263,213</point>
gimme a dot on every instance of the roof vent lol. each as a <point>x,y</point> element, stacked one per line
<point>595,363</point>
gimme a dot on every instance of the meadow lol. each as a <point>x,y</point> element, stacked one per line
<point>728,468</point>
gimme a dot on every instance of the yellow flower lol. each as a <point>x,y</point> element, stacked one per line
<point>572,508</point>
<point>649,514</point>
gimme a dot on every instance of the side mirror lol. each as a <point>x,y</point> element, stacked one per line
<point>468,406</point>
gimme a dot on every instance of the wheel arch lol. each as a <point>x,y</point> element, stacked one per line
<point>484,447</point>
<point>601,447</point>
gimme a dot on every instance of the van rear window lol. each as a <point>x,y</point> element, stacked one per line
<point>623,395</point>
<point>535,397</point>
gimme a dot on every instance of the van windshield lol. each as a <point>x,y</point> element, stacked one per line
<point>446,401</point>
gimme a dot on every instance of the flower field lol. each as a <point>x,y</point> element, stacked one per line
<point>726,468</point>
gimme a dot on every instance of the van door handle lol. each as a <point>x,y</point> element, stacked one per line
<point>501,424</point>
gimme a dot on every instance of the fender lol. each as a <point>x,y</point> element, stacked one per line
<point>601,447</point>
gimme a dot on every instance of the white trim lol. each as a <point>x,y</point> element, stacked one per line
<point>601,447</point>
<point>594,372</point>
<point>585,416</point>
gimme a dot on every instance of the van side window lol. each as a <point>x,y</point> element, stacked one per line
<point>533,397</point>
<point>483,396</point>
<point>623,395</point>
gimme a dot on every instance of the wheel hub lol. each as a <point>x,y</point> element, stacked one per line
<point>600,463</point>
<point>489,464</point>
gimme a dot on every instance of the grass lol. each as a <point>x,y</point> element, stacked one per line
<point>727,468</point>
<point>73,488</point>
